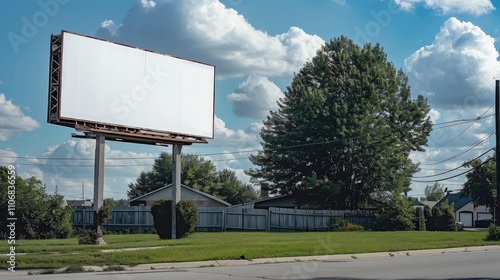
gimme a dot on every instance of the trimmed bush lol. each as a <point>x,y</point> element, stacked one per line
<point>186,215</point>
<point>493,233</point>
<point>186,218</point>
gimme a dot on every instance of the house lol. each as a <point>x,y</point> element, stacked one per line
<point>281,201</point>
<point>199,198</point>
<point>265,201</point>
<point>464,209</point>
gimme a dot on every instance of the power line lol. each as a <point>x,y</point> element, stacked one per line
<point>110,165</point>
<point>461,122</point>
<point>475,95</point>
<point>488,160</point>
<point>465,163</point>
<point>465,150</point>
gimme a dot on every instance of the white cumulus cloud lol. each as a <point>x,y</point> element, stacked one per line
<point>7,156</point>
<point>13,120</point>
<point>237,139</point>
<point>475,7</point>
<point>110,26</point>
<point>207,31</point>
<point>148,4</point>
<point>456,71</point>
<point>70,163</point>
<point>255,97</point>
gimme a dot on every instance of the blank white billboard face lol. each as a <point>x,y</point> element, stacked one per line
<point>109,83</point>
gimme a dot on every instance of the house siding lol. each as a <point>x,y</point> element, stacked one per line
<point>478,213</point>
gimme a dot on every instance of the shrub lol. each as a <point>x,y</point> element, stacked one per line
<point>87,236</point>
<point>186,218</point>
<point>420,220</point>
<point>421,223</point>
<point>398,215</point>
<point>441,217</point>
<point>105,213</point>
<point>186,215</point>
<point>344,224</point>
<point>493,233</point>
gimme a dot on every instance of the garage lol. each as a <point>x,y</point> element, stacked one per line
<point>484,216</point>
<point>465,218</point>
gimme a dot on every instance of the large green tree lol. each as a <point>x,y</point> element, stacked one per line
<point>481,182</point>
<point>196,172</point>
<point>344,129</point>
<point>234,190</point>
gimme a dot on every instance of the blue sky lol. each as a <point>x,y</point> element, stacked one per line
<point>449,49</point>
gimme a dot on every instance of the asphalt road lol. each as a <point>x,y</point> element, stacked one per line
<point>436,264</point>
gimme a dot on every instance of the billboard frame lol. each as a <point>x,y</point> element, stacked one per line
<point>112,131</point>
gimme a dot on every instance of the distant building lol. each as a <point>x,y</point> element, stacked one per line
<point>199,198</point>
<point>79,202</point>
<point>464,209</point>
<point>423,204</point>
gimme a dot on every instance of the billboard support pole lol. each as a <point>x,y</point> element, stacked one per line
<point>176,184</point>
<point>98,182</point>
<point>496,208</point>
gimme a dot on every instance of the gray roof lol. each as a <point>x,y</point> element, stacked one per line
<point>455,198</point>
<point>183,187</point>
<point>427,203</point>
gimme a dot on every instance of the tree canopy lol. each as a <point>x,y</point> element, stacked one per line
<point>38,214</point>
<point>434,192</point>
<point>197,173</point>
<point>344,129</point>
<point>481,182</point>
<point>233,190</point>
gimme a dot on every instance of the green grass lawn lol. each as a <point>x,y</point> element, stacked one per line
<point>56,253</point>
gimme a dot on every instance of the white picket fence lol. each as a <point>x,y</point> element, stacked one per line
<point>231,218</point>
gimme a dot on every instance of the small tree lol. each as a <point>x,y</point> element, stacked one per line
<point>105,213</point>
<point>421,219</point>
<point>481,182</point>
<point>441,217</point>
<point>398,215</point>
<point>186,215</point>
<point>434,192</point>
<point>234,190</point>
<point>57,222</point>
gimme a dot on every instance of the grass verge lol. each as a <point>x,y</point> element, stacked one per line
<point>57,253</point>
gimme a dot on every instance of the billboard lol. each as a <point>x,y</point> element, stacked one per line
<point>114,88</point>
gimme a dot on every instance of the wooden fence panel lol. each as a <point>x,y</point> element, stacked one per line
<point>232,218</point>
<point>210,219</point>
<point>283,219</point>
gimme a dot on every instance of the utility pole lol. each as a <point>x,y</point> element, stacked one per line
<point>497,150</point>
